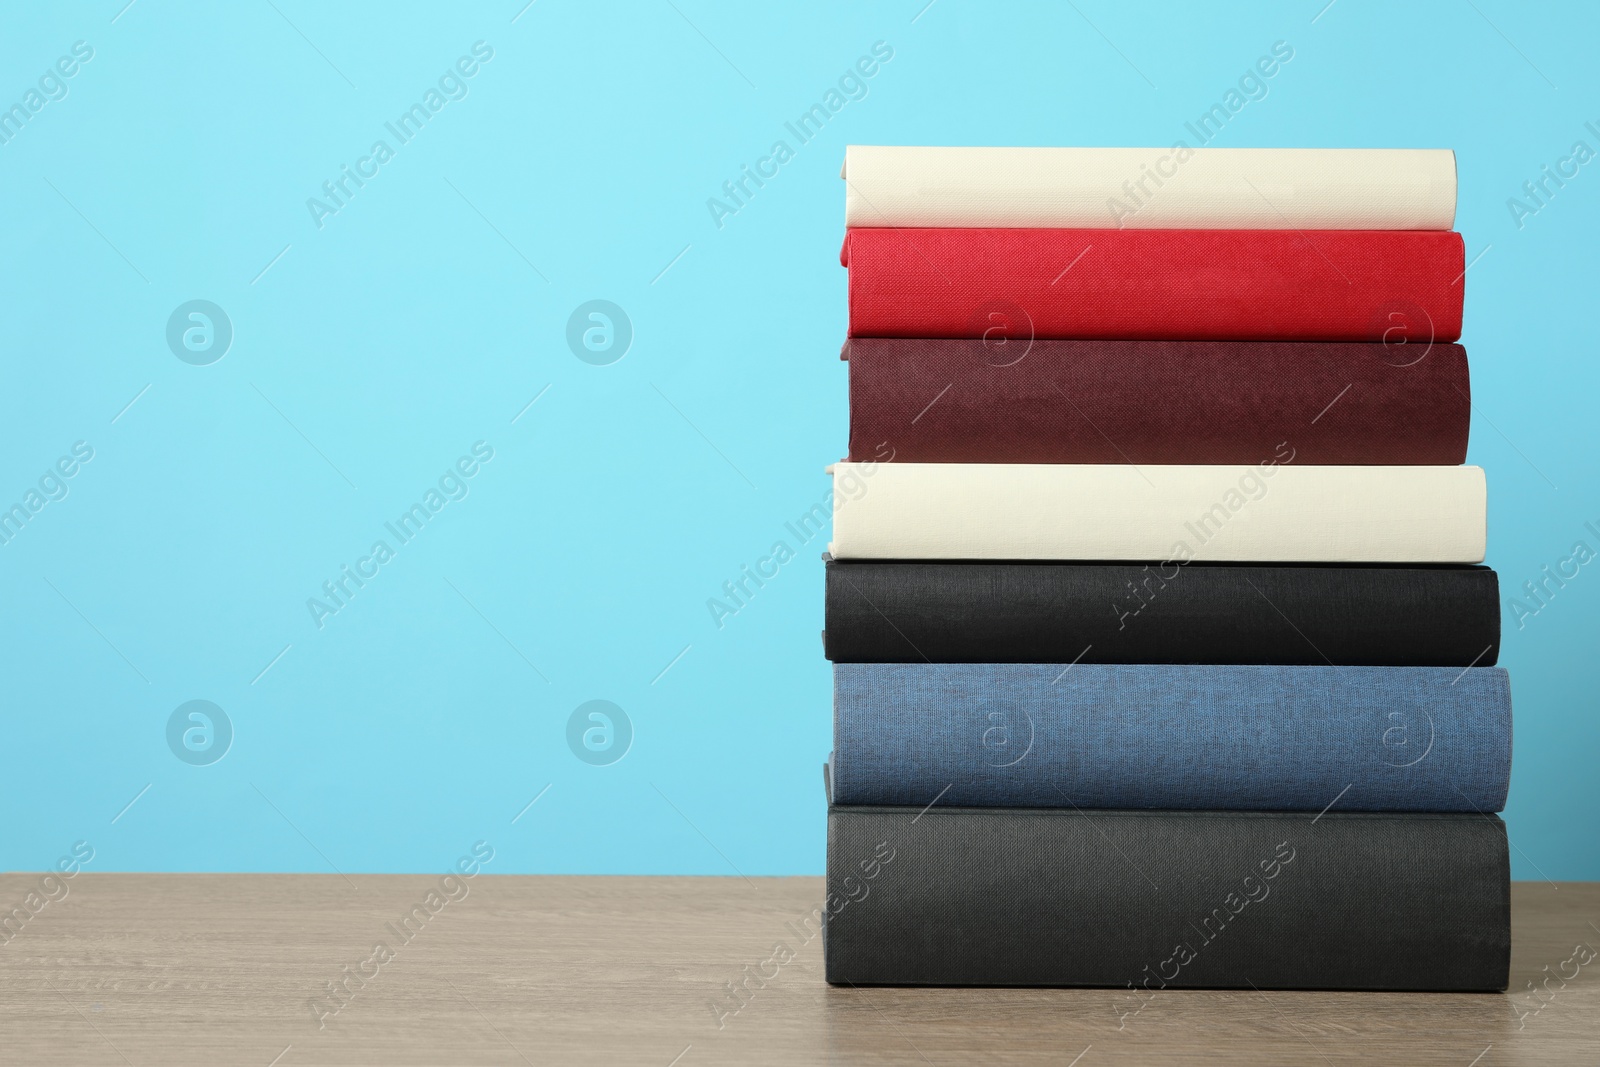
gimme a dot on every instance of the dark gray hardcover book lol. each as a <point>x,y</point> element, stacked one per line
<point>892,611</point>
<point>1140,901</point>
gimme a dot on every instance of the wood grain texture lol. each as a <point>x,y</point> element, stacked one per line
<point>221,969</point>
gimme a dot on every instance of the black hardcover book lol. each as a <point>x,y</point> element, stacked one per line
<point>1143,901</point>
<point>979,612</point>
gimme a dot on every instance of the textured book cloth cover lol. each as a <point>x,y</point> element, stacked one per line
<point>894,611</point>
<point>1191,737</point>
<point>961,400</point>
<point>1274,511</point>
<point>1142,901</point>
<point>1152,188</point>
<point>1197,285</point>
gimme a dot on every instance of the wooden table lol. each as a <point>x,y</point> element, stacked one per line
<point>235,969</point>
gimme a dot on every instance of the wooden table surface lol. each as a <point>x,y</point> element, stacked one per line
<point>236,969</point>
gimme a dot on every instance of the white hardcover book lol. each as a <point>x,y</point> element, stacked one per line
<point>1152,188</point>
<point>1270,512</point>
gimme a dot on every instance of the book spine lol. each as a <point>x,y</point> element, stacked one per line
<point>944,400</point>
<point>1141,902</point>
<point>1014,285</point>
<point>1200,737</point>
<point>1182,185</point>
<point>1171,513</point>
<point>1001,612</point>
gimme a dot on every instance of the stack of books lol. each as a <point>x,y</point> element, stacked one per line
<point>1161,653</point>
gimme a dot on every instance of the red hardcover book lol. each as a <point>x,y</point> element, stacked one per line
<point>949,400</point>
<point>1211,285</point>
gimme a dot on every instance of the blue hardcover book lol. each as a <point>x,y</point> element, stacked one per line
<point>1171,736</point>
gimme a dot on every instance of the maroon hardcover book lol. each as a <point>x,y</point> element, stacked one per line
<point>927,400</point>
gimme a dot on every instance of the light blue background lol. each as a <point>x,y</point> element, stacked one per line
<point>416,322</point>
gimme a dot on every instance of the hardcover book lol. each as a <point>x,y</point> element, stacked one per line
<point>941,611</point>
<point>1190,737</point>
<point>1272,511</point>
<point>1159,188</point>
<point>1139,902</point>
<point>962,400</point>
<point>1186,285</point>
